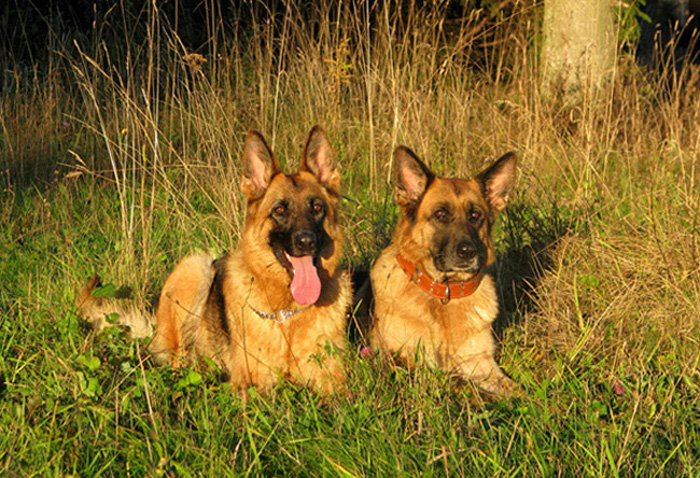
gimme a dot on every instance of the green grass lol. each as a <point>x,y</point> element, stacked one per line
<point>124,170</point>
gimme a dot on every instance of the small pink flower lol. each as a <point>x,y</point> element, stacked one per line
<point>366,352</point>
<point>618,389</point>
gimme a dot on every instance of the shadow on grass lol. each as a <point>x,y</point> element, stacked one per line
<point>525,254</point>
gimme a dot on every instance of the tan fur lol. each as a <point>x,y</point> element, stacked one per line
<point>181,306</point>
<point>420,329</point>
<point>254,350</point>
<point>262,350</point>
<point>96,310</point>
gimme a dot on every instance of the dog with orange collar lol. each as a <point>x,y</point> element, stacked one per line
<point>433,303</point>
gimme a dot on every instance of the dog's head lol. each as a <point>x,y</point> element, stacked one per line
<point>446,224</point>
<point>291,230</point>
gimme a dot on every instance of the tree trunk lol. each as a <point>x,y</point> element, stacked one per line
<point>579,42</point>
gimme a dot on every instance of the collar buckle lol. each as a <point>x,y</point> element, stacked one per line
<point>446,299</point>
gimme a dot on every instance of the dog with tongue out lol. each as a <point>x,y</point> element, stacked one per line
<point>276,307</point>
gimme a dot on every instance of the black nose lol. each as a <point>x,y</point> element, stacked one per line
<point>305,242</point>
<point>466,250</point>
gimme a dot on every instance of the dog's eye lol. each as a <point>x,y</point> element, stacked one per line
<point>279,209</point>
<point>474,216</point>
<point>317,207</point>
<point>440,214</point>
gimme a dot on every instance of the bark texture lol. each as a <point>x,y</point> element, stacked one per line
<point>579,42</point>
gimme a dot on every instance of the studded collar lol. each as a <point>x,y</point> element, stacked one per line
<point>445,291</point>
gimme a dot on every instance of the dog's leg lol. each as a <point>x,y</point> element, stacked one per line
<point>475,362</point>
<point>329,378</point>
<point>322,370</point>
<point>483,370</point>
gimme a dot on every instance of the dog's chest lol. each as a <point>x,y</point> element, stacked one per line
<point>460,319</point>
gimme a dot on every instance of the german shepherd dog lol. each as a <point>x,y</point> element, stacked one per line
<point>433,301</point>
<point>276,307</point>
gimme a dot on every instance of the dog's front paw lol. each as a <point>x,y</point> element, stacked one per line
<point>500,387</point>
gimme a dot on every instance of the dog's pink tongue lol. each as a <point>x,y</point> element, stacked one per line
<point>306,286</point>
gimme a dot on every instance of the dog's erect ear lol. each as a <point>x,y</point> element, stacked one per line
<point>497,181</point>
<point>412,177</point>
<point>259,165</point>
<point>318,159</point>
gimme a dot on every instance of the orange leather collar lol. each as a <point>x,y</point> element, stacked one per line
<point>441,290</point>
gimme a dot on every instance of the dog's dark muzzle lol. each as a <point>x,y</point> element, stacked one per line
<point>465,251</point>
<point>460,255</point>
<point>304,243</point>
